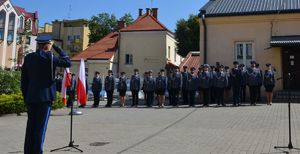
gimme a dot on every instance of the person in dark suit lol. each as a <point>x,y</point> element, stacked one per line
<point>174,85</point>
<point>220,82</point>
<point>161,87</point>
<point>96,88</point>
<point>236,82</point>
<point>244,82</point>
<point>184,90</point>
<point>39,90</point>
<point>71,91</point>
<point>109,86</point>
<point>58,81</point>
<point>135,85</point>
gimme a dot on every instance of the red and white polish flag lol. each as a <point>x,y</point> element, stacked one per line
<point>66,82</point>
<point>81,93</point>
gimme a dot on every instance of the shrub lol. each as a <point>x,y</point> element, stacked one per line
<point>9,82</point>
<point>14,103</point>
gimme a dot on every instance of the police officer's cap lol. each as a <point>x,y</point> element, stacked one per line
<point>226,67</point>
<point>221,66</point>
<point>235,63</point>
<point>185,67</point>
<point>253,62</point>
<point>268,64</point>
<point>110,71</point>
<point>242,65</point>
<point>177,67</point>
<point>193,68</point>
<point>43,39</point>
<point>150,71</point>
<point>122,73</point>
<point>205,65</point>
<point>162,70</point>
<point>136,70</point>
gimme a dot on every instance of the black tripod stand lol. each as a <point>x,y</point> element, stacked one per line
<point>290,145</point>
<point>71,143</point>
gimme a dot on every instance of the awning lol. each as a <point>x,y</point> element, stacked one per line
<point>285,41</point>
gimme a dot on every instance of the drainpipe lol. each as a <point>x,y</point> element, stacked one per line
<point>119,48</point>
<point>202,16</point>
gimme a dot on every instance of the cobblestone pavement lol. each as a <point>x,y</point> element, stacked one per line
<point>246,129</point>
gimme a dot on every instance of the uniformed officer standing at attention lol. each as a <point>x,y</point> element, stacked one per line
<point>269,83</point>
<point>161,87</point>
<point>71,91</point>
<point>109,86</point>
<point>192,84</point>
<point>244,82</point>
<point>184,90</point>
<point>122,88</point>
<point>175,85</point>
<point>205,82</point>
<point>253,80</point>
<point>236,82</point>
<point>96,88</point>
<point>220,83</point>
<point>135,84</point>
<point>39,90</point>
<point>212,88</point>
<point>260,83</point>
<point>149,88</point>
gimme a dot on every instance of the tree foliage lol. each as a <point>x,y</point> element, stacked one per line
<point>105,23</point>
<point>188,35</point>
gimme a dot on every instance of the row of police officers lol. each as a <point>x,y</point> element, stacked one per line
<point>210,82</point>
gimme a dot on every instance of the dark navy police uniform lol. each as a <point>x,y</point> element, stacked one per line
<point>39,90</point>
<point>109,88</point>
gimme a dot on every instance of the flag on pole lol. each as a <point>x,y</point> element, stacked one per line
<point>66,82</point>
<point>81,85</point>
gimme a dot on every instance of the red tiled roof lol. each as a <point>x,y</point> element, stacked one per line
<point>146,23</point>
<point>101,50</point>
<point>28,15</point>
<point>106,47</point>
<point>191,60</point>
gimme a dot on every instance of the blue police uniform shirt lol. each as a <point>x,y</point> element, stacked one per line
<point>220,80</point>
<point>205,79</point>
<point>135,83</point>
<point>97,84</point>
<point>184,79</point>
<point>38,71</point>
<point>149,84</point>
<point>192,82</point>
<point>175,82</point>
<point>161,83</point>
<point>109,83</point>
<point>122,85</point>
<point>269,78</point>
<point>254,77</point>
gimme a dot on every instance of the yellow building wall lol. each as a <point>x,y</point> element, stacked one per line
<point>173,57</point>
<point>149,50</point>
<point>85,36</point>
<point>224,32</point>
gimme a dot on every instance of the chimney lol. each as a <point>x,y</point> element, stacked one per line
<point>148,11</point>
<point>155,12</point>
<point>121,24</point>
<point>140,12</point>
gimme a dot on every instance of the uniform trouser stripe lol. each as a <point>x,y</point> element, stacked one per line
<point>45,127</point>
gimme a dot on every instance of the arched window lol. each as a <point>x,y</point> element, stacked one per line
<point>21,23</point>
<point>29,26</point>
<point>11,27</point>
<point>2,23</point>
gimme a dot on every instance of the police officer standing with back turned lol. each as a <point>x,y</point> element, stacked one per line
<point>236,82</point>
<point>39,90</point>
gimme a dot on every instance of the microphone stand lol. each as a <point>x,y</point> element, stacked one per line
<point>290,145</point>
<point>71,143</point>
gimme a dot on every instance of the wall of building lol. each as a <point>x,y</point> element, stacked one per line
<point>148,49</point>
<point>173,57</point>
<point>224,32</point>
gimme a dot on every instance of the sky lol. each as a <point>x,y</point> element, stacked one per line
<point>168,13</point>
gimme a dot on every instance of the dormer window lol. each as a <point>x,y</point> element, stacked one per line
<point>21,22</point>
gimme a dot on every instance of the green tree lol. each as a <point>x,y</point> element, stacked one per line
<point>105,23</point>
<point>127,18</point>
<point>187,35</point>
<point>101,25</point>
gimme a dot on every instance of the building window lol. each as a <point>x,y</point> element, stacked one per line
<point>11,27</point>
<point>2,24</point>
<point>244,52</point>
<point>175,54</point>
<point>169,52</point>
<point>21,22</point>
<point>28,39</point>
<point>128,59</point>
<point>70,38</point>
